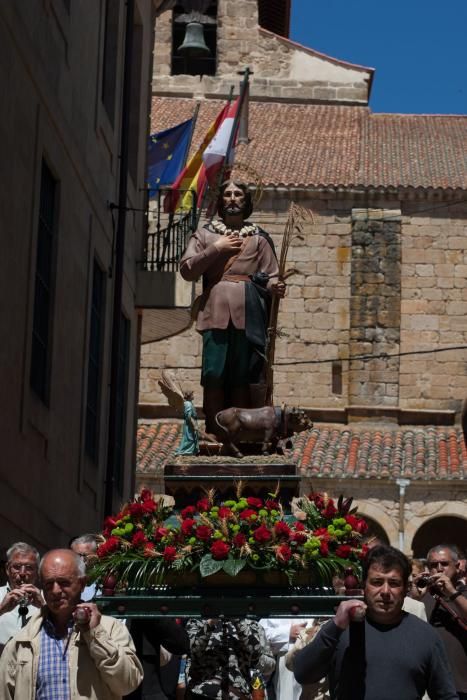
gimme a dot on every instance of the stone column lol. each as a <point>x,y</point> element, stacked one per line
<point>375,306</point>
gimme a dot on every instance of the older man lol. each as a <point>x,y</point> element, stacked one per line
<point>238,265</point>
<point>21,594</point>
<point>446,608</point>
<point>68,649</point>
<point>392,654</point>
<point>85,546</point>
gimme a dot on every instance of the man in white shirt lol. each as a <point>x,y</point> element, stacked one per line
<point>21,592</point>
<point>85,546</point>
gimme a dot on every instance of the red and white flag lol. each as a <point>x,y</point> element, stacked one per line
<point>215,153</point>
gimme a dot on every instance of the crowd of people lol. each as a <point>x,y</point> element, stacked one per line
<point>406,639</point>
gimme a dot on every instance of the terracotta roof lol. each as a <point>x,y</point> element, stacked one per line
<point>420,454</point>
<point>334,145</point>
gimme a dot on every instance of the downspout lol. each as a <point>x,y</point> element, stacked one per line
<point>402,484</point>
<point>119,258</point>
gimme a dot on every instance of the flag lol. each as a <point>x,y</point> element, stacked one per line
<point>216,152</point>
<point>193,177</point>
<point>167,151</point>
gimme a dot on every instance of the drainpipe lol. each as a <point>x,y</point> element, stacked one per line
<point>402,484</point>
<point>119,259</point>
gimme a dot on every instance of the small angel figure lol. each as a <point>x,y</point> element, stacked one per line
<point>182,401</point>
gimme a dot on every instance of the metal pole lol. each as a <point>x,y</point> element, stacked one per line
<point>119,259</point>
<point>402,484</point>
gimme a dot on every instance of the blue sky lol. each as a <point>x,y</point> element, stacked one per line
<point>418,48</point>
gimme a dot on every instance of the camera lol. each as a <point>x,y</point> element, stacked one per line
<point>423,581</point>
<point>23,606</point>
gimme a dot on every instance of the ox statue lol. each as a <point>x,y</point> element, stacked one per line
<point>269,425</point>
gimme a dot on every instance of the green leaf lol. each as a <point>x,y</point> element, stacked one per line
<point>209,566</point>
<point>233,566</point>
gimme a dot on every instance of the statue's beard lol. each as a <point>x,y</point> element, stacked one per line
<point>233,208</point>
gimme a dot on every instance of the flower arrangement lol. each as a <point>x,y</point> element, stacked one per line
<point>142,545</point>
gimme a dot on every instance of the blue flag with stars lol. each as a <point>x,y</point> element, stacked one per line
<point>167,151</point>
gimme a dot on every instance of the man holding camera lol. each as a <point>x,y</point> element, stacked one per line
<point>373,650</point>
<point>68,649</point>
<point>446,608</point>
<point>21,594</point>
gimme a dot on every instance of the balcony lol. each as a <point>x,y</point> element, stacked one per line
<point>163,296</point>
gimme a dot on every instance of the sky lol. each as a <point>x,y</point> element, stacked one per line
<point>417,47</point>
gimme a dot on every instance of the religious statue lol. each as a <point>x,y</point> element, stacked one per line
<point>240,272</point>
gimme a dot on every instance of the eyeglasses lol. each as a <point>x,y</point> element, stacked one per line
<point>29,568</point>
<point>435,564</point>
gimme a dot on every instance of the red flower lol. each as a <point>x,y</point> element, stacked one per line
<point>136,510</point>
<point>188,512</point>
<point>254,502</point>
<point>138,539</point>
<point>321,532</point>
<point>362,526</point>
<point>224,512</point>
<point>247,513</point>
<point>108,547</point>
<point>169,553</point>
<point>324,549</point>
<point>352,521</point>
<point>187,526</point>
<point>271,505</point>
<point>203,532</point>
<point>149,505</point>
<point>148,549</point>
<point>239,540</point>
<point>299,537</point>
<point>160,533</point>
<point>282,529</point>
<point>146,495</point>
<point>262,534</point>
<point>330,510</point>
<point>110,523</point>
<point>364,552</point>
<point>283,552</point>
<point>299,526</point>
<point>203,505</point>
<point>343,551</point>
<point>220,550</point>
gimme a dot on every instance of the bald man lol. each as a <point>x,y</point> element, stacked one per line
<point>68,649</point>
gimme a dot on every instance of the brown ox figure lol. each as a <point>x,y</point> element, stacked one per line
<point>268,425</point>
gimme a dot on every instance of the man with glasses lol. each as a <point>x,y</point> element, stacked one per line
<point>68,649</point>
<point>446,608</point>
<point>21,591</point>
<point>85,546</point>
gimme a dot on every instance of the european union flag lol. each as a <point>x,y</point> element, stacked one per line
<point>167,151</point>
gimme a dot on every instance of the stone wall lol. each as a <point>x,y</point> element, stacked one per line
<point>417,302</point>
<point>281,68</point>
<point>375,305</point>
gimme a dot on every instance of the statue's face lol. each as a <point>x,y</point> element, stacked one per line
<point>234,199</point>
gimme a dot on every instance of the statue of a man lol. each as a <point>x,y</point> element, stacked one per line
<point>240,273</point>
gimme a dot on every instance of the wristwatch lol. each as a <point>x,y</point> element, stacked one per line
<point>455,595</point>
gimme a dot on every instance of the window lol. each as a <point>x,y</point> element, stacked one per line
<point>44,284</point>
<point>122,400</point>
<point>194,65</point>
<point>109,71</point>
<point>96,339</point>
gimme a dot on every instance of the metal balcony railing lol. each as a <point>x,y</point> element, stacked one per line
<point>168,234</point>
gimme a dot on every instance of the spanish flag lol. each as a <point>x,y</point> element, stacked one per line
<point>192,181</point>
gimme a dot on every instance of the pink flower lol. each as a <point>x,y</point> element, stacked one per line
<point>220,550</point>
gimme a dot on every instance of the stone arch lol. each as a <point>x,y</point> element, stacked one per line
<point>377,515</point>
<point>442,529</point>
<point>375,529</point>
<point>433,510</point>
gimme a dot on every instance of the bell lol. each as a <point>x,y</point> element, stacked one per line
<point>193,43</point>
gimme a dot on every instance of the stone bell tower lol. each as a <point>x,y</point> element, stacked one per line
<point>250,33</point>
